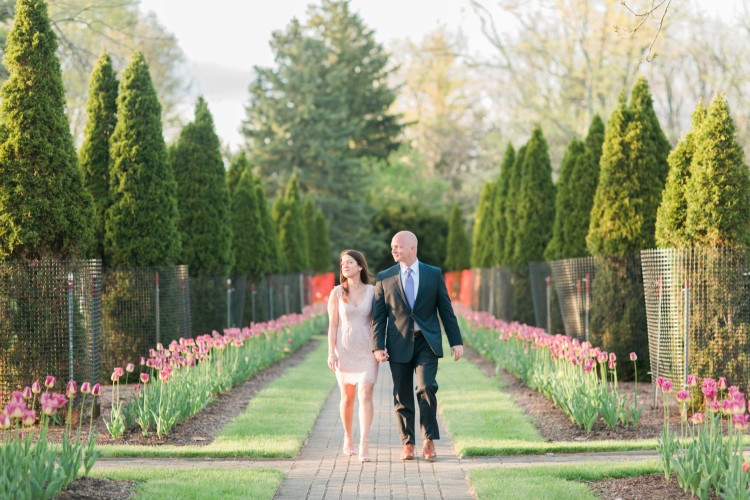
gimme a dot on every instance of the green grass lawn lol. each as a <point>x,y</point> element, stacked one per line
<point>208,483</point>
<point>551,482</point>
<point>484,421</point>
<point>275,424</point>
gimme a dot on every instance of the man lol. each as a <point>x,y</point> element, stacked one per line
<point>406,332</point>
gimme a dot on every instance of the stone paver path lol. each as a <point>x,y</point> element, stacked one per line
<point>323,471</point>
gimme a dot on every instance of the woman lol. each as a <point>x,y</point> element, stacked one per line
<point>349,349</point>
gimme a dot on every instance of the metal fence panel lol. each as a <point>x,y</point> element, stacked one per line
<point>572,279</point>
<point>49,321</point>
<point>702,296</point>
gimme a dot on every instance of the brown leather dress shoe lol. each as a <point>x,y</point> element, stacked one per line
<point>407,453</point>
<point>428,450</point>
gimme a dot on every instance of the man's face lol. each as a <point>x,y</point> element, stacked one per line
<point>403,250</point>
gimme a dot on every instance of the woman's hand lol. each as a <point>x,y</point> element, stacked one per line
<point>333,362</point>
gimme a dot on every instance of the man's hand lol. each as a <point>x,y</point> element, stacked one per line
<point>381,355</point>
<point>457,351</point>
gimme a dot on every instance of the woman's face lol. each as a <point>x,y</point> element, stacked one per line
<point>349,266</point>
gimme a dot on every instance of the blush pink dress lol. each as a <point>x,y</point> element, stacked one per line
<point>353,340</point>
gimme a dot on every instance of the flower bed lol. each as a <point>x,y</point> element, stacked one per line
<point>179,380</point>
<point>579,378</point>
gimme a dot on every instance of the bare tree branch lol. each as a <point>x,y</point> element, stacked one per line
<point>651,12</point>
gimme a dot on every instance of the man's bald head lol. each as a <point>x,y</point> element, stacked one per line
<point>404,247</point>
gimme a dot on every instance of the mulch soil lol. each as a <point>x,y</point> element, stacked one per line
<point>552,424</point>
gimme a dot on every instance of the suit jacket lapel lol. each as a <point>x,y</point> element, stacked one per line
<point>422,284</point>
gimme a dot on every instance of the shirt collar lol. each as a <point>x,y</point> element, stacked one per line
<point>414,267</point>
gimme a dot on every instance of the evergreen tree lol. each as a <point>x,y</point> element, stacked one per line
<point>202,197</point>
<point>238,166</point>
<point>558,246</point>
<point>101,111</point>
<point>484,229</point>
<point>321,110</point>
<point>536,210</point>
<point>308,213</point>
<point>320,245</point>
<point>501,201</point>
<point>142,223</point>
<point>248,235</point>
<point>458,252</point>
<point>535,214</point>
<point>671,215</point>
<point>273,257</point>
<point>45,210</point>
<point>292,235</point>
<point>511,204</point>
<point>718,189</point>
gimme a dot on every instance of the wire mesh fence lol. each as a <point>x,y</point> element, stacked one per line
<point>49,321</point>
<point>539,279</point>
<point>492,291</point>
<point>269,298</point>
<point>141,307</point>
<point>698,307</point>
<point>572,281</point>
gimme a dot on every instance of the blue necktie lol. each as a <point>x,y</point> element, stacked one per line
<point>409,288</point>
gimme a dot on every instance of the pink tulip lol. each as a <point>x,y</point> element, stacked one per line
<point>692,380</point>
<point>15,410</point>
<point>36,387</point>
<point>71,389</point>
<point>745,467</point>
<point>143,361</point>
<point>95,390</point>
<point>697,418</point>
<point>49,404</point>
<point>129,367</point>
<point>17,397</point>
<point>683,396</point>
<point>5,422</point>
<point>144,378</point>
<point>50,382</point>
<point>667,386</point>
<point>722,383</point>
<point>633,356</point>
<point>27,394</point>
<point>740,421</point>
<point>29,418</point>
<point>85,387</point>
<point>291,340</point>
<point>164,375</point>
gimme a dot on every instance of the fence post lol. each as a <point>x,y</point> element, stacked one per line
<point>587,306</point>
<point>658,335</point>
<point>158,312</point>
<point>70,325</point>
<point>687,330</point>
<point>286,299</point>
<point>229,302</point>
<point>301,292</point>
<point>252,302</point>
<point>549,306</point>
<point>270,299</point>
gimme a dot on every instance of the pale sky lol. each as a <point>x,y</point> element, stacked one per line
<point>223,39</point>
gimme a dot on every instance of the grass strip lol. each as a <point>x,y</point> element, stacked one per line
<point>552,482</point>
<point>274,425</point>
<point>208,483</point>
<point>485,421</point>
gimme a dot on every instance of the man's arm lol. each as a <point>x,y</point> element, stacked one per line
<point>448,318</point>
<point>379,322</point>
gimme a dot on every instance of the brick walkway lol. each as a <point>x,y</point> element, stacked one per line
<point>322,471</point>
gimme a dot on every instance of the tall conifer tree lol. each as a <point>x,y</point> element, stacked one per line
<point>511,207</point>
<point>671,215</point>
<point>718,190</point>
<point>273,257</point>
<point>248,235</point>
<point>142,222</point>
<point>202,197</point>
<point>482,245</point>
<point>101,112</point>
<point>501,201</point>
<point>558,247</point>
<point>458,252</point>
<point>320,244</point>
<point>45,210</point>
<point>292,234</point>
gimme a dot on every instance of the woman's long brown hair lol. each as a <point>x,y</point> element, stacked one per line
<point>364,274</point>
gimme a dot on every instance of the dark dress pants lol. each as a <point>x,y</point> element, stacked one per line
<point>420,370</point>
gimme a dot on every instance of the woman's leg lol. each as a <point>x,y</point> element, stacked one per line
<point>346,408</point>
<point>365,418</point>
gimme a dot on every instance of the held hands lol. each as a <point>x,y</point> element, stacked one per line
<point>457,351</point>
<point>381,355</point>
